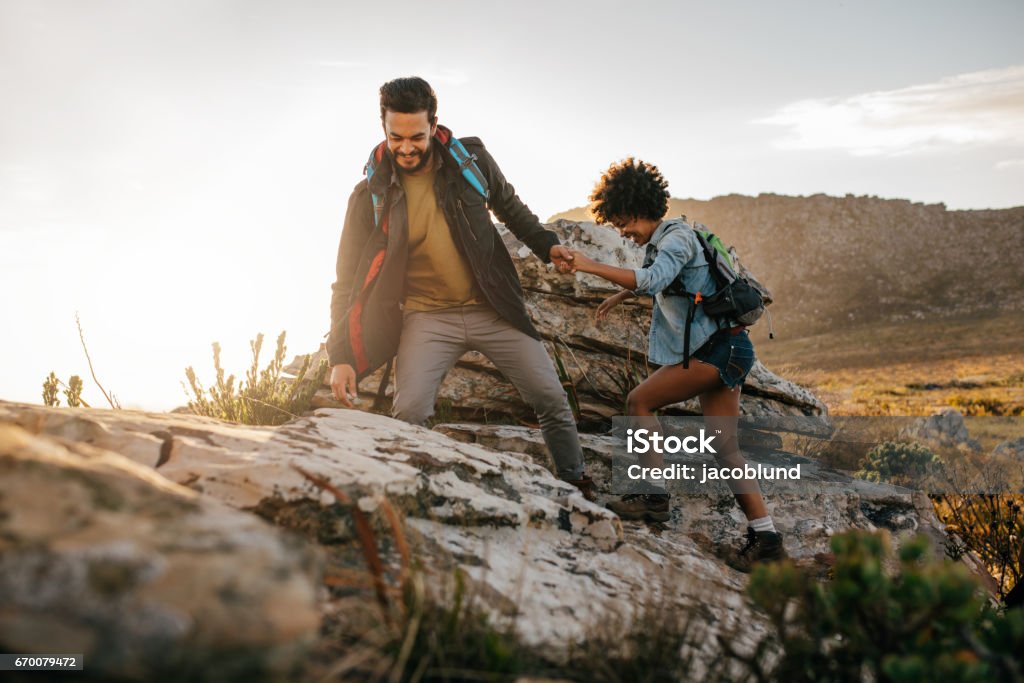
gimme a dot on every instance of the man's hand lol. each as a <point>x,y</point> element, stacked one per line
<point>581,261</point>
<point>343,384</point>
<point>562,257</point>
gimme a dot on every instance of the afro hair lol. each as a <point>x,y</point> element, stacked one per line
<point>629,189</point>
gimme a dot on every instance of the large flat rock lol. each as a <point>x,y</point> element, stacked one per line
<point>107,558</point>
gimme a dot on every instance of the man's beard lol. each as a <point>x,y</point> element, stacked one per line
<point>424,159</point>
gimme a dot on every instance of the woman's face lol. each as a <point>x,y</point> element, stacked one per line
<point>637,229</point>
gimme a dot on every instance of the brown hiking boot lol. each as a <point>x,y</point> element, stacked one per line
<point>586,486</point>
<point>650,507</point>
<point>761,546</point>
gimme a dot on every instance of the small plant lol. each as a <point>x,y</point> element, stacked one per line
<point>928,620</point>
<point>51,389</point>
<point>901,464</point>
<point>74,392</point>
<point>264,397</point>
<point>566,380</point>
<point>624,379</point>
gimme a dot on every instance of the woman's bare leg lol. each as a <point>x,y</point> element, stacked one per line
<point>721,408</point>
<point>669,384</point>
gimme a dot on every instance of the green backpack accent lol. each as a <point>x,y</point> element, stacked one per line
<point>716,242</point>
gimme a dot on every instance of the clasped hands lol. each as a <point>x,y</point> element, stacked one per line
<point>568,260</point>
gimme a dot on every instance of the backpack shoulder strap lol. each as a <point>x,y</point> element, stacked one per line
<point>717,256</point>
<point>465,161</point>
<point>376,156</point>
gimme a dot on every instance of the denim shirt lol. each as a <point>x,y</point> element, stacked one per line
<point>673,249</point>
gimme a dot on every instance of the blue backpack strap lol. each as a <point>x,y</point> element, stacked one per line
<point>465,161</point>
<point>468,167</point>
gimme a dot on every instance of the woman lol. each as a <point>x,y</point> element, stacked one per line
<point>633,197</point>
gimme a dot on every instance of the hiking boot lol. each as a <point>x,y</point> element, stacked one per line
<point>761,546</point>
<point>650,507</point>
<point>586,486</point>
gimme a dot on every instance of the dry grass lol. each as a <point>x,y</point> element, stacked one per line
<point>913,368</point>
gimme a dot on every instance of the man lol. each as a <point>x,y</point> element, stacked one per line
<point>423,274</point>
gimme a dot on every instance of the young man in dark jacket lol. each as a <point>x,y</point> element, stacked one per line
<point>428,277</point>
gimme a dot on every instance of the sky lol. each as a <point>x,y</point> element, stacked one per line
<point>176,172</point>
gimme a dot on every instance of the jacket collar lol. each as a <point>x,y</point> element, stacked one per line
<point>663,229</point>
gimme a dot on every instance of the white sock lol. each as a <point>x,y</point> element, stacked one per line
<point>658,483</point>
<point>762,524</point>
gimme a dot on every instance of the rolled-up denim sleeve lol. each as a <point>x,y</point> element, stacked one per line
<point>674,251</point>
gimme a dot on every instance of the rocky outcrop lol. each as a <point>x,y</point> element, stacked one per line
<point>483,502</point>
<point>601,361</point>
<point>106,558</point>
<point>823,502</point>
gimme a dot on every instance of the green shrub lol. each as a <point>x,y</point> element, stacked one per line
<point>928,619</point>
<point>902,464</point>
<point>264,397</point>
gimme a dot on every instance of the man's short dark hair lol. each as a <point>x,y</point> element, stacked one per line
<point>408,95</point>
<point>629,189</point>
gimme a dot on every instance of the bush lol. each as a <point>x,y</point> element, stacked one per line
<point>928,619</point>
<point>990,525</point>
<point>264,398</point>
<point>901,464</point>
<point>72,391</point>
<point>983,406</point>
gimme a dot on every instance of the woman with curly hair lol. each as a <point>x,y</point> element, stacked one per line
<point>632,196</point>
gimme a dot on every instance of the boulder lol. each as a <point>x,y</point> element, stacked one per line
<point>104,557</point>
<point>1012,449</point>
<point>944,428</point>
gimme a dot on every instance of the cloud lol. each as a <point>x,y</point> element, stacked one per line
<point>1010,164</point>
<point>980,108</point>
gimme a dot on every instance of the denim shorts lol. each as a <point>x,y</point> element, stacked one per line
<point>732,354</point>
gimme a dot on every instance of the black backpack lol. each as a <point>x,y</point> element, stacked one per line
<point>738,298</point>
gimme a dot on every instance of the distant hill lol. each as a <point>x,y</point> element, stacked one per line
<point>849,260</point>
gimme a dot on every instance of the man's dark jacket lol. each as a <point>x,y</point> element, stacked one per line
<point>366,316</point>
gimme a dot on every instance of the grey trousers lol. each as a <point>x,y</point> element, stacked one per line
<point>433,340</point>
